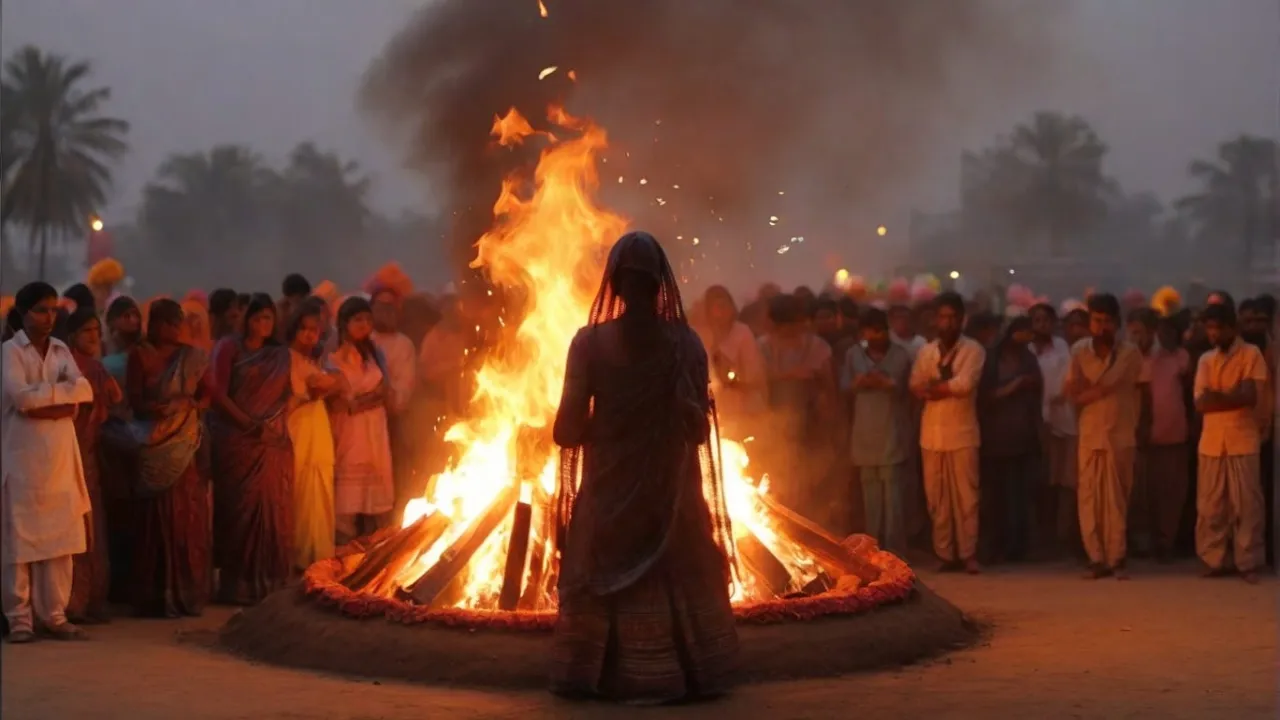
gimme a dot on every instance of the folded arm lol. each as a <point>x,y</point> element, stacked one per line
<point>30,397</point>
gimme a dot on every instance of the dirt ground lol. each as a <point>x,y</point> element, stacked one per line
<point>1165,645</point>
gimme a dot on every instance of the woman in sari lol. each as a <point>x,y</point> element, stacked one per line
<point>1009,416</point>
<point>312,437</point>
<point>253,459</point>
<point>124,331</point>
<point>197,324</point>
<point>168,382</point>
<point>91,579</point>
<point>123,334</point>
<point>364,489</point>
<point>645,541</point>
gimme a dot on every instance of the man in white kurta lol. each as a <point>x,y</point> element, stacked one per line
<point>45,497</point>
<point>945,376</point>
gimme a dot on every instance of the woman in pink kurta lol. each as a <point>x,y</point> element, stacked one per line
<point>364,491</point>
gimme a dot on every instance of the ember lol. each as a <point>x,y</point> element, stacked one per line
<point>481,538</point>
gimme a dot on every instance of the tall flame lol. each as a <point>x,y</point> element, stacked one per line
<point>547,249</point>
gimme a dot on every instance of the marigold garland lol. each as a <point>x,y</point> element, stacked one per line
<point>322,582</point>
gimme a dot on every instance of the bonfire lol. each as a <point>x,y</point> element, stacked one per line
<point>481,539</point>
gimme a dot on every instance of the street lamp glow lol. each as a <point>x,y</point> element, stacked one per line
<point>96,224</point>
<point>882,231</point>
<point>955,274</point>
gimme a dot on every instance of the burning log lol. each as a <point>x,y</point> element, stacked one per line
<point>827,550</point>
<point>538,561</point>
<point>434,581</point>
<point>517,552</point>
<point>764,565</point>
<point>384,562</point>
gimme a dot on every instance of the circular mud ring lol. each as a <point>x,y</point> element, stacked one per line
<point>324,626</point>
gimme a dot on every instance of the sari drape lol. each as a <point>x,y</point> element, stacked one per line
<point>171,525</point>
<point>312,439</point>
<point>91,579</point>
<point>253,474</point>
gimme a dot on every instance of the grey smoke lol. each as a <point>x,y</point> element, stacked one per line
<point>835,103</point>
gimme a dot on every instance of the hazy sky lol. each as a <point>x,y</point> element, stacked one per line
<point>1162,80</point>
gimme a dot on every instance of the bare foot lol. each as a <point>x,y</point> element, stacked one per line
<point>1120,574</point>
<point>971,566</point>
<point>1250,577</point>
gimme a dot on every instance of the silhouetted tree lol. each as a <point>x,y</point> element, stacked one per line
<point>56,148</point>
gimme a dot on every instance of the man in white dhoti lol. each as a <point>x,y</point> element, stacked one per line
<point>1102,381</point>
<point>945,376</point>
<point>1230,516</point>
<point>44,494</point>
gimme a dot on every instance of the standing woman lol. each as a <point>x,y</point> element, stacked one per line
<point>1009,416</point>
<point>92,571</point>
<point>364,489</point>
<point>124,331</point>
<point>312,437</point>
<point>644,612</point>
<point>253,459</point>
<point>168,382</point>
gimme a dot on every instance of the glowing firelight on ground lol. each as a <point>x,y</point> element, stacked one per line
<point>547,248</point>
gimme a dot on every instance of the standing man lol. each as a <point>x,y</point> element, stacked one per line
<point>1229,500</point>
<point>944,377</point>
<point>42,518</point>
<point>1103,382</point>
<point>876,375</point>
<point>1164,451</point>
<point>1058,506</point>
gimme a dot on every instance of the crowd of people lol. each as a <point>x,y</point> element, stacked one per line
<point>165,454</point>
<point>1101,430</point>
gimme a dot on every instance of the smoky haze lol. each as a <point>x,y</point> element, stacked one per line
<point>733,112</point>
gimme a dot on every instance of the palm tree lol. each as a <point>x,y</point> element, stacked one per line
<point>57,148</point>
<point>322,208</point>
<point>206,206</point>
<point>1238,199</point>
<point>1045,180</point>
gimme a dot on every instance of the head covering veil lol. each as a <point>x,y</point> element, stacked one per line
<point>651,452</point>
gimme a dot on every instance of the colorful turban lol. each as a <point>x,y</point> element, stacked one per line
<point>105,273</point>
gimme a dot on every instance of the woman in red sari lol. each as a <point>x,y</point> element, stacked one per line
<point>168,383</point>
<point>91,579</point>
<point>645,542</point>
<point>252,459</point>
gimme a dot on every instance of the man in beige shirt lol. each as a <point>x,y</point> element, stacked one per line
<point>1229,499</point>
<point>1103,382</point>
<point>945,376</point>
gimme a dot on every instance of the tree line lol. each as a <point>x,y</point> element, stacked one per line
<point>226,209</point>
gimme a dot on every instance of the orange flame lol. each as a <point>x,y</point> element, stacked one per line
<point>547,248</point>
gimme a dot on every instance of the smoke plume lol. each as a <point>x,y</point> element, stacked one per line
<point>812,111</point>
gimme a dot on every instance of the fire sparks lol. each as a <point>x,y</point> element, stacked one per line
<point>542,9</point>
<point>547,72</point>
<point>484,528</point>
<point>511,129</point>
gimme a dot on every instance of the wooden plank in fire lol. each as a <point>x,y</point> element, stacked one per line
<point>455,558</point>
<point>517,554</point>
<point>827,550</point>
<point>542,553</point>
<point>386,560</point>
<point>764,564</point>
